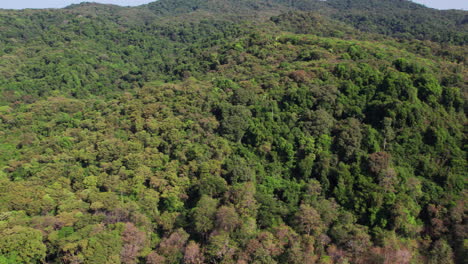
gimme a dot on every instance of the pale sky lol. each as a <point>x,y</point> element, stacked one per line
<point>19,4</point>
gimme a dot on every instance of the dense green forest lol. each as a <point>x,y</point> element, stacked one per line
<point>234,131</point>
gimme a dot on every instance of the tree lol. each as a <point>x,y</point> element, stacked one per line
<point>155,258</point>
<point>239,170</point>
<point>172,247</point>
<point>441,253</point>
<point>227,218</point>
<point>235,122</point>
<point>379,162</point>
<point>348,139</point>
<point>22,244</point>
<point>221,247</point>
<point>308,220</point>
<point>211,185</point>
<point>204,214</point>
<point>428,86</point>
<point>133,242</point>
<point>103,245</point>
<point>193,254</point>
<point>263,249</point>
<point>242,197</point>
<point>318,122</point>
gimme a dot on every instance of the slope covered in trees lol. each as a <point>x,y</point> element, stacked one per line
<point>175,132</point>
<point>398,18</point>
<point>92,49</point>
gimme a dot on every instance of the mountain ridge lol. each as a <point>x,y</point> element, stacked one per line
<point>366,15</point>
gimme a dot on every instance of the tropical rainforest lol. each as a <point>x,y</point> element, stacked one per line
<point>234,131</point>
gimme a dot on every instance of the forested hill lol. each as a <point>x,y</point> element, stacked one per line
<point>216,131</point>
<point>93,49</point>
<point>399,18</point>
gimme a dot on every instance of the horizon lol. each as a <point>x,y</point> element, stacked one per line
<point>56,4</point>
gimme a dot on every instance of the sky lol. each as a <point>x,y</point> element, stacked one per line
<point>20,4</point>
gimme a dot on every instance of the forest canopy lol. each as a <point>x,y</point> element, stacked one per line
<point>242,131</point>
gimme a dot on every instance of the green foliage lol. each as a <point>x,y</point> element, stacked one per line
<point>22,244</point>
<point>231,132</point>
<point>204,213</point>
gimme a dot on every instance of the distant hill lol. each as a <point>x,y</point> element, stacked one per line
<point>398,18</point>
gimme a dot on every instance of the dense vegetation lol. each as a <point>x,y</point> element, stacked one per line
<point>215,131</point>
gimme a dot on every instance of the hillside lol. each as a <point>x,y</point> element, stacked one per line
<point>398,18</point>
<point>242,131</point>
